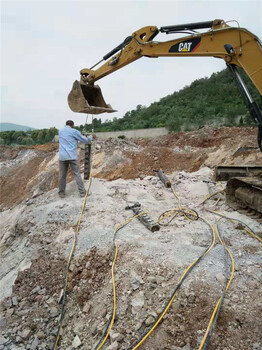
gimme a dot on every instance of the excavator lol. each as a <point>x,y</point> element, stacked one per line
<point>239,48</point>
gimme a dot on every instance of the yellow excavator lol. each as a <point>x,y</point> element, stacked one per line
<point>238,47</point>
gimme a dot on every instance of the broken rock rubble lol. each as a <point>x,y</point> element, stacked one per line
<point>148,268</point>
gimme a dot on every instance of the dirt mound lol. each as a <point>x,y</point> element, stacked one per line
<point>48,147</point>
<point>8,153</point>
<point>34,170</point>
<point>181,151</point>
<point>25,180</point>
<point>151,159</point>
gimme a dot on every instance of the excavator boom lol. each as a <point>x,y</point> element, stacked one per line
<point>236,46</point>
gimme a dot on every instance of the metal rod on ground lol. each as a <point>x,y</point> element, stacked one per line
<point>163,178</point>
<point>87,161</point>
<point>145,219</point>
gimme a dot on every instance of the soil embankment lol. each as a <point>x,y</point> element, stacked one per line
<point>34,170</point>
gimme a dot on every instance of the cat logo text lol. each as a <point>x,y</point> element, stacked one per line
<point>184,46</point>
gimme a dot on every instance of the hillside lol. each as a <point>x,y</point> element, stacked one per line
<point>15,127</point>
<point>212,101</point>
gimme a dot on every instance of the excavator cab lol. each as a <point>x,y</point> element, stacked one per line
<point>87,99</point>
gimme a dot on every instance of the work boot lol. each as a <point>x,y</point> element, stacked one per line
<point>61,195</point>
<point>83,194</point>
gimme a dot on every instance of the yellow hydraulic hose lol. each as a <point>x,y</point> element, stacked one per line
<point>181,279</point>
<point>220,299</point>
<point>114,307</point>
<point>252,234</point>
<point>212,194</point>
<point>187,212</point>
<point>117,228</point>
<point>234,221</point>
<point>176,195</point>
<point>71,256</point>
<point>222,216</point>
<point>169,213</point>
<point>192,213</point>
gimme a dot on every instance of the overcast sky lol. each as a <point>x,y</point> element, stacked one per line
<point>46,43</point>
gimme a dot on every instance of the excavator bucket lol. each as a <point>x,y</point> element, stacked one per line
<point>87,99</point>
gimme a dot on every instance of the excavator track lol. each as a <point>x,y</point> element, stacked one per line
<point>245,195</point>
<point>226,172</point>
<point>243,189</point>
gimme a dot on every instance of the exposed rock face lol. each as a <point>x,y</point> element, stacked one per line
<point>33,171</point>
<point>37,237</point>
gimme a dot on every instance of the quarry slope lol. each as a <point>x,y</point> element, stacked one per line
<point>38,229</point>
<point>34,170</point>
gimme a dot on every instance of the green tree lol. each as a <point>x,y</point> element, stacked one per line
<point>207,101</point>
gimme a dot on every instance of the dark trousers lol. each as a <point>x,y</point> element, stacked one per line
<point>63,168</point>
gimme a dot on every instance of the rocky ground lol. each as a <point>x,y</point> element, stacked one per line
<point>37,235</point>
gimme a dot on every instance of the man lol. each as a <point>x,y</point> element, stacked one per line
<point>68,139</point>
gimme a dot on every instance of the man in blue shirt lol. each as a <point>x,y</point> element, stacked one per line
<point>68,139</point>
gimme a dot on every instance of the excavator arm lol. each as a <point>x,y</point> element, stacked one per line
<point>236,46</point>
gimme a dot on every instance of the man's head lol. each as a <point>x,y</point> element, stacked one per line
<point>70,123</point>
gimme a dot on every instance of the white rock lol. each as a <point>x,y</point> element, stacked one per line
<point>220,277</point>
<point>76,342</point>
<point>113,346</point>
<point>34,344</point>
<point>3,340</point>
<point>86,308</point>
<point>139,300</point>
<point>135,283</point>
<point>36,289</point>
<point>150,320</point>
<point>116,337</point>
<point>25,333</point>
